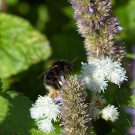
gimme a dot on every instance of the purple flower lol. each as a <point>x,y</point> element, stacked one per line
<point>91,10</point>
<point>101,23</point>
<point>119,28</point>
<point>58,99</point>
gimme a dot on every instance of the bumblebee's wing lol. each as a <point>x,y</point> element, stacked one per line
<point>45,72</point>
<point>52,77</point>
<point>52,81</point>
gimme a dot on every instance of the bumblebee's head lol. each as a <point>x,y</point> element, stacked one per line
<point>68,66</point>
<point>63,65</point>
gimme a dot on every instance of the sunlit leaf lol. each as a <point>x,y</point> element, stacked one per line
<point>20,45</point>
<point>0,85</point>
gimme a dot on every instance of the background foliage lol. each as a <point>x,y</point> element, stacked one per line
<point>30,32</point>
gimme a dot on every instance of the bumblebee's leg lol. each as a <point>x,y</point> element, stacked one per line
<point>53,88</point>
<point>53,93</point>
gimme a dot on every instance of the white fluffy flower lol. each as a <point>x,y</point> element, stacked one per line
<point>117,74</point>
<point>93,78</point>
<point>98,84</point>
<point>98,72</point>
<point>44,111</point>
<point>44,107</point>
<point>102,67</point>
<point>45,125</point>
<point>94,111</point>
<point>110,113</point>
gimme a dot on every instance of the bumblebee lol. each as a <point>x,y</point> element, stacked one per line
<point>54,78</point>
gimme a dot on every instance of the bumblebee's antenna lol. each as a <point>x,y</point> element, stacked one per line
<point>74,59</point>
<point>39,76</point>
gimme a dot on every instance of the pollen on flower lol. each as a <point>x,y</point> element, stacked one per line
<point>110,113</point>
<point>44,111</point>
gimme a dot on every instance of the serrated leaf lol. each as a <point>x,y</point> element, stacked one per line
<point>20,45</point>
<point>14,114</point>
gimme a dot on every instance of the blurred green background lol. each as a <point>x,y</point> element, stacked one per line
<point>51,35</point>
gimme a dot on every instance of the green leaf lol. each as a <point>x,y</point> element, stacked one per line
<point>132,101</point>
<point>36,132</point>
<point>0,85</point>
<point>131,56</point>
<point>56,131</point>
<point>126,16</point>
<point>131,15</point>
<point>14,114</point>
<point>20,45</point>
